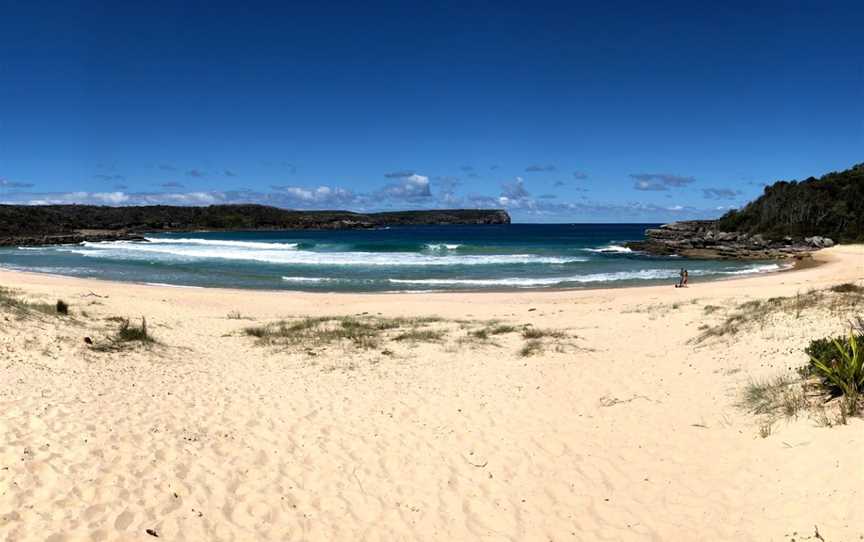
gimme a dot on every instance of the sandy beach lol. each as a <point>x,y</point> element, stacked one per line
<point>620,426</point>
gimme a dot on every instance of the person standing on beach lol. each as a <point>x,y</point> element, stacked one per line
<point>680,283</point>
<point>685,277</point>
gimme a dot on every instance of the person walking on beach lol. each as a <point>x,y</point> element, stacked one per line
<point>680,283</point>
<point>685,278</point>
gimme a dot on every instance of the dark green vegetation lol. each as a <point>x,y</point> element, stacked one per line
<point>835,369</point>
<point>22,221</point>
<point>830,206</point>
<point>841,368</point>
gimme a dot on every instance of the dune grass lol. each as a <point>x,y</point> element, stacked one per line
<point>540,333</point>
<point>21,308</point>
<point>532,347</point>
<point>127,334</point>
<point>362,331</point>
<point>837,300</point>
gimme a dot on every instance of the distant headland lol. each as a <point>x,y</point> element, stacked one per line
<point>32,225</point>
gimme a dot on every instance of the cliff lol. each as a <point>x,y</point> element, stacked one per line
<point>23,225</point>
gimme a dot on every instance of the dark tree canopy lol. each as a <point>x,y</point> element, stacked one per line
<point>830,206</point>
<point>19,220</point>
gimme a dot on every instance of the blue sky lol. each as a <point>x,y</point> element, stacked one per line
<point>564,111</point>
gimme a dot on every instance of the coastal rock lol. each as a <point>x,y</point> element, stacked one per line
<point>819,241</point>
<point>703,239</point>
<point>67,239</point>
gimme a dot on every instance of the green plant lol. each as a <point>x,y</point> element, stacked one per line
<point>844,371</point>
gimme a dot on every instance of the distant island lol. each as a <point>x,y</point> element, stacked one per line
<point>789,219</point>
<point>33,225</point>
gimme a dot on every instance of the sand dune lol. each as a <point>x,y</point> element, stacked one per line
<point>625,430</point>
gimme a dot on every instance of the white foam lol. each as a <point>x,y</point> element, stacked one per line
<point>166,285</point>
<point>644,274</point>
<point>767,268</point>
<point>221,243</point>
<point>309,279</point>
<point>610,249</point>
<point>442,246</point>
<point>190,252</point>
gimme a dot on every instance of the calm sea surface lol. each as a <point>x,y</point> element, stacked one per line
<point>400,258</point>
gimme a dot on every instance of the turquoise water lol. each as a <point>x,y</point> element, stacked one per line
<point>405,258</point>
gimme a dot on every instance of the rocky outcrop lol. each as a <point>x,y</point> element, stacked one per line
<point>702,239</point>
<point>68,239</point>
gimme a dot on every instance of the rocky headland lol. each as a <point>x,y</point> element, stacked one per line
<point>703,239</point>
<point>32,225</point>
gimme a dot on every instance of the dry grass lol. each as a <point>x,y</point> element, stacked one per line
<point>532,348</point>
<point>492,329</point>
<point>838,300</point>
<point>127,334</point>
<point>539,333</point>
<point>22,308</point>
<point>782,396</point>
<point>363,331</point>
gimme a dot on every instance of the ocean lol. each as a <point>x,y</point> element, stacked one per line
<point>417,258</point>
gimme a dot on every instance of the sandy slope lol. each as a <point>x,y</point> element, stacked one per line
<point>629,432</point>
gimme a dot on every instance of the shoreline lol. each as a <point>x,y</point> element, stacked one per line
<point>797,265</point>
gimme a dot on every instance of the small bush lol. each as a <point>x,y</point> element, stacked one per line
<point>847,288</point>
<point>843,372</point>
<point>62,307</point>
<point>132,333</point>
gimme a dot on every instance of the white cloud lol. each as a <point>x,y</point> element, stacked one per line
<point>410,187</point>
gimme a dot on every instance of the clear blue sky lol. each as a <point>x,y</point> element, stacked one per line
<point>571,111</point>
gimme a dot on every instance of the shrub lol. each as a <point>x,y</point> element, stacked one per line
<point>843,371</point>
<point>847,288</point>
<point>62,307</point>
<point>131,333</point>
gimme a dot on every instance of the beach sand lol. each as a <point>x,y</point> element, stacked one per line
<point>626,430</point>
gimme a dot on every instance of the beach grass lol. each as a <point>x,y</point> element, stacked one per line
<point>361,331</point>
<point>837,300</point>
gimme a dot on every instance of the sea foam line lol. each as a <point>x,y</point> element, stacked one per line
<point>151,251</point>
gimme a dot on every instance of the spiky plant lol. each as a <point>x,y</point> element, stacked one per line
<point>844,371</point>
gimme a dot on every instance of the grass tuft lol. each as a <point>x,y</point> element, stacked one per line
<point>837,300</point>
<point>361,331</point>
<point>531,348</point>
<point>538,333</point>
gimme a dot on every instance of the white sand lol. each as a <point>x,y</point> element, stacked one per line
<point>632,432</point>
